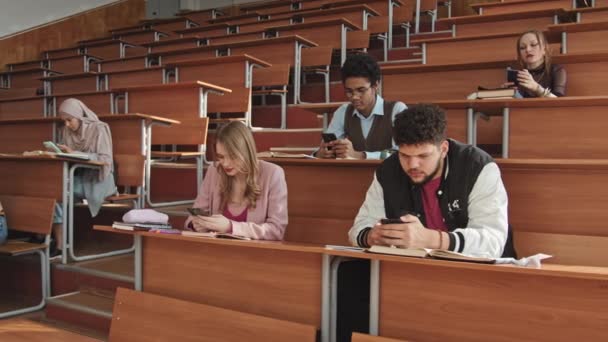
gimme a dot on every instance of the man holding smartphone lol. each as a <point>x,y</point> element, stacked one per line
<point>362,128</point>
<point>455,190</point>
<point>433,193</point>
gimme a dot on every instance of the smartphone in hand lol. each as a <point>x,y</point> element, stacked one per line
<point>391,221</point>
<point>328,137</point>
<point>512,76</point>
<point>198,212</point>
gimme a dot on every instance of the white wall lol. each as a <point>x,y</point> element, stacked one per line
<point>205,4</point>
<point>19,15</point>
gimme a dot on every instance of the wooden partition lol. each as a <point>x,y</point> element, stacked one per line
<point>24,108</point>
<point>556,207</point>
<point>232,72</point>
<point>17,136</point>
<point>505,302</point>
<point>583,38</point>
<point>587,76</point>
<point>520,6</point>
<point>324,197</point>
<point>67,32</point>
<point>473,25</point>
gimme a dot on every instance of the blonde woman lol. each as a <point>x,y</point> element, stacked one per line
<point>538,77</point>
<point>244,196</point>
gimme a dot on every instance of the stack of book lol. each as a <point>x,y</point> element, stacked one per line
<point>140,226</point>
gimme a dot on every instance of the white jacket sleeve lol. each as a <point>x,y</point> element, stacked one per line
<point>486,232</point>
<point>370,213</point>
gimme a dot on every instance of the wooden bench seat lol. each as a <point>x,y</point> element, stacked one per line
<point>138,316</point>
<point>30,215</point>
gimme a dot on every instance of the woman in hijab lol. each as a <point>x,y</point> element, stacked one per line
<point>84,133</point>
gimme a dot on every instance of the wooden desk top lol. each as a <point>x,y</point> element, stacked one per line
<point>171,41</point>
<point>274,245</point>
<point>331,22</point>
<point>46,157</point>
<point>499,4</point>
<point>221,60</point>
<point>476,18</point>
<point>20,329</point>
<point>568,101</point>
<point>600,273</point>
<point>202,28</point>
<point>68,76</point>
<point>196,84</point>
<point>25,71</point>
<point>247,43</point>
<point>579,27</point>
<point>319,108</point>
<point>109,117</point>
<point>226,19</point>
<point>324,162</point>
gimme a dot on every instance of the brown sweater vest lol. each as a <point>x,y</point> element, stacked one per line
<point>380,134</point>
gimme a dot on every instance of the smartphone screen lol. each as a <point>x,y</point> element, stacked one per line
<point>390,221</point>
<point>512,76</point>
<point>198,212</point>
<point>328,137</point>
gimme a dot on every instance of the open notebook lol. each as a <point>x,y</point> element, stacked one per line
<point>214,235</point>
<point>429,253</point>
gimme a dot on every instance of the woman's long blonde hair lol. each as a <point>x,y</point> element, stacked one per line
<point>240,146</point>
<point>542,40</point>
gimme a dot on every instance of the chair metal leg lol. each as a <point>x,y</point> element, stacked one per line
<point>45,275</point>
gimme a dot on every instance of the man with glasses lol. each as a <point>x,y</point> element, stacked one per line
<point>363,126</point>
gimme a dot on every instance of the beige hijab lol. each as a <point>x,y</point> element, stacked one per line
<point>93,136</point>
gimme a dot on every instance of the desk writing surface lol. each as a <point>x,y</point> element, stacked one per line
<point>20,329</point>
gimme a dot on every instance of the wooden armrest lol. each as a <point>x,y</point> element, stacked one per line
<point>15,247</point>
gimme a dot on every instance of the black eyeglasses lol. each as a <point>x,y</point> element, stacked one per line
<point>359,91</point>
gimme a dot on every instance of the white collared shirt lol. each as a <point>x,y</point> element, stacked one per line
<point>336,125</point>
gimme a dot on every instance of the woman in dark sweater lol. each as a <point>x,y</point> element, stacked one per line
<point>538,77</point>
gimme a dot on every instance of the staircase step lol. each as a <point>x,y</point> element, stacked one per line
<point>89,308</point>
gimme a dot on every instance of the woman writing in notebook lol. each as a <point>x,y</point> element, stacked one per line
<point>84,133</point>
<point>243,195</point>
<point>538,77</point>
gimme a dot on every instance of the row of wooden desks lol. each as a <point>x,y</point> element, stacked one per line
<point>409,296</point>
<point>20,175</point>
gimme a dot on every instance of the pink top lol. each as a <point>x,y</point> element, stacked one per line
<point>242,217</point>
<point>430,203</point>
<point>268,220</point>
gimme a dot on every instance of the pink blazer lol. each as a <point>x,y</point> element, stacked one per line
<point>268,220</point>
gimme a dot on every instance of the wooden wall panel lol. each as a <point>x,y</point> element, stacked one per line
<point>91,24</point>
